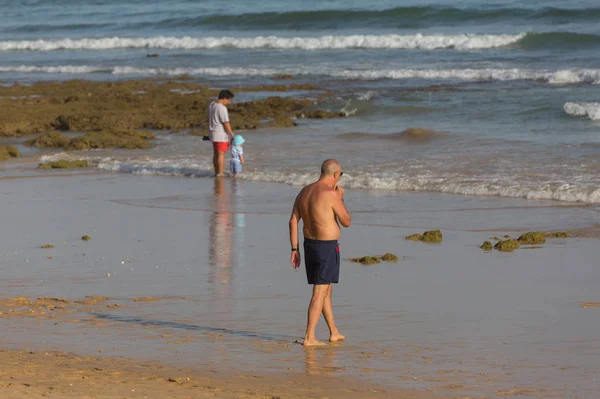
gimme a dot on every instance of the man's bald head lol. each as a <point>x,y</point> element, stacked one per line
<point>329,167</point>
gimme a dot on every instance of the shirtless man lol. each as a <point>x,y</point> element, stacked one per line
<point>321,206</point>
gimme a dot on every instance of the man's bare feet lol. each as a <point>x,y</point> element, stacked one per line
<point>336,337</point>
<point>313,342</point>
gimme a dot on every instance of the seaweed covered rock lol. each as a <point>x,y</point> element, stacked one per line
<point>86,238</point>
<point>389,257</point>
<point>366,260</point>
<point>414,237</point>
<point>128,139</point>
<point>532,238</point>
<point>431,236</point>
<point>487,246</point>
<point>47,246</point>
<point>507,245</point>
<point>8,151</point>
<point>320,114</point>
<point>371,260</point>
<point>558,234</point>
<point>49,140</point>
<point>174,103</point>
<point>63,164</point>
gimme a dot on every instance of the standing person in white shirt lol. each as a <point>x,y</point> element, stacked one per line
<point>219,129</point>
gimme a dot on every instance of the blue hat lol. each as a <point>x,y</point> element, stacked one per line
<point>238,140</point>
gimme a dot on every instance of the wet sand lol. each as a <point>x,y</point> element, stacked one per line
<point>63,375</point>
<point>194,276</point>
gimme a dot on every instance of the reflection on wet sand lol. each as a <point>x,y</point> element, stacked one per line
<point>321,361</point>
<point>226,234</point>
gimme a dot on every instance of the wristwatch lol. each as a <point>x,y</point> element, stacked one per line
<point>294,249</point>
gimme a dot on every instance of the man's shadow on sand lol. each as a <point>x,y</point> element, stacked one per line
<point>192,327</point>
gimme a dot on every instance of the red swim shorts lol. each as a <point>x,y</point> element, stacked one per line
<point>221,146</point>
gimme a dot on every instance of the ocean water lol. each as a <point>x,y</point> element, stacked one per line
<point>512,88</point>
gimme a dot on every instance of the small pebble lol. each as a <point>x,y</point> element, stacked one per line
<point>107,274</point>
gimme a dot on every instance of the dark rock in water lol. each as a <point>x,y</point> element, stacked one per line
<point>8,151</point>
<point>320,114</point>
<point>532,238</point>
<point>86,238</point>
<point>487,246</point>
<point>507,245</point>
<point>417,135</point>
<point>153,55</point>
<point>283,77</point>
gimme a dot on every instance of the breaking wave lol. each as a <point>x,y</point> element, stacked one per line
<point>417,41</point>
<point>591,110</point>
<point>564,76</point>
<point>452,184</point>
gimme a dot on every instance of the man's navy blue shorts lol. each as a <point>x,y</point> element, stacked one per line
<point>322,261</point>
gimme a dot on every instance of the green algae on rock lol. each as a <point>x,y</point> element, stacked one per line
<point>49,140</point>
<point>371,260</point>
<point>127,139</point>
<point>86,238</point>
<point>558,234</point>
<point>174,104</point>
<point>507,245</point>
<point>8,151</point>
<point>532,238</point>
<point>366,260</point>
<point>389,257</point>
<point>487,246</point>
<point>63,164</point>
<point>414,237</point>
<point>432,236</point>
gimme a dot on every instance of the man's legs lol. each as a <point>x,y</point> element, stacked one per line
<point>334,333</point>
<point>218,162</point>
<point>314,313</point>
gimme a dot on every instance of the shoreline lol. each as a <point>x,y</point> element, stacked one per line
<point>196,275</point>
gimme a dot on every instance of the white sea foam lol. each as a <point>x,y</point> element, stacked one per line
<point>560,77</point>
<point>493,186</point>
<point>418,41</point>
<point>457,185</point>
<point>591,110</point>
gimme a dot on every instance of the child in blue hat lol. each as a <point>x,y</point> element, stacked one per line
<point>237,154</point>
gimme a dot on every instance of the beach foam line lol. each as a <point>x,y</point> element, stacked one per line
<point>500,186</point>
<point>564,76</point>
<point>330,42</point>
<point>591,110</point>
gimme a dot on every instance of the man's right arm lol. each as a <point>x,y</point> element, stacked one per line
<point>339,207</point>
<point>294,241</point>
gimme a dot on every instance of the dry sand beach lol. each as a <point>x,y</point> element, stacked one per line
<point>189,278</point>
